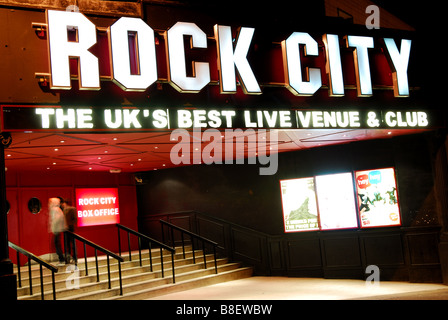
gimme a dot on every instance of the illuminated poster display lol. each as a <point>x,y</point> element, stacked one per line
<point>377,198</point>
<point>97,206</point>
<point>336,200</point>
<point>299,205</point>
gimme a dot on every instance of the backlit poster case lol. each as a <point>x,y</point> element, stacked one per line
<point>377,198</point>
<point>97,206</point>
<point>336,201</point>
<point>299,205</point>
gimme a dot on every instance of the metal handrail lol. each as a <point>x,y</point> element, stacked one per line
<point>105,251</point>
<point>192,235</point>
<point>41,263</point>
<point>150,242</point>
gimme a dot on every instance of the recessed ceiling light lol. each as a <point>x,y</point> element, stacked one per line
<point>62,141</point>
<point>56,149</point>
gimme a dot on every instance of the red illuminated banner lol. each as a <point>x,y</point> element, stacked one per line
<point>97,206</point>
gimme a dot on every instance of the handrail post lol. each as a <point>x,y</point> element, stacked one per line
<point>216,263</point>
<point>172,266</point>
<point>41,284</point>
<point>140,250</point>
<point>54,285</point>
<point>150,255</point>
<point>119,273</point>
<point>108,271</point>
<point>75,250</point>
<point>119,242</point>
<point>203,252</point>
<point>85,259</point>
<point>183,244</point>
<point>30,279</point>
<point>18,269</point>
<point>129,246</point>
<point>193,248</point>
<point>97,269</point>
<point>161,261</point>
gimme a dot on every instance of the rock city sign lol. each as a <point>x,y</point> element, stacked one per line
<point>231,58</point>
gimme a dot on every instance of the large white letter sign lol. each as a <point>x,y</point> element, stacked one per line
<point>177,73</point>
<point>361,59</point>
<point>62,49</point>
<point>398,62</point>
<point>333,65</point>
<point>146,54</point>
<point>228,59</point>
<point>293,68</point>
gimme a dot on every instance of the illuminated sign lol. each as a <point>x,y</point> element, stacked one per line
<point>231,57</point>
<point>336,200</point>
<point>324,202</point>
<point>330,202</point>
<point>299,205</point>
<point>377,198</point>
<point>97,206</point>
<point>20,118</point>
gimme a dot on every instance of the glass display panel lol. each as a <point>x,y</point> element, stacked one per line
<point>336,201</point>
<point>377,198</point>
<point>299,205</point>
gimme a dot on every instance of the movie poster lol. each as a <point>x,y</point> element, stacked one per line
<point>336,201</point>
<point>377,198</point>
<point>299,205</point>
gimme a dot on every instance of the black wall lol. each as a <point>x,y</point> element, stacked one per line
<point>237,196</point>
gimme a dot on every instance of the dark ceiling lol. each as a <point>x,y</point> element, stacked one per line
<point>137,152</point>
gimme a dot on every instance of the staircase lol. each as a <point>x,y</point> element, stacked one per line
<point>138,281</point>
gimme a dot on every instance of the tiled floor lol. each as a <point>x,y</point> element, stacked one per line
<point>283,288</point>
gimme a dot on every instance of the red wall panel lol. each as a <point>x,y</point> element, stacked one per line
<point>31,230</point>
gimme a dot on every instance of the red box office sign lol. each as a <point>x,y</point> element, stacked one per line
<point>97,206</point>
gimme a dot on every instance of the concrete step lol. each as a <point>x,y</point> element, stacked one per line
<point>67,279</point>
<point>138,280</point>
<point>207,278</point>
<point>102,266</point>
<point>140,284</point>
